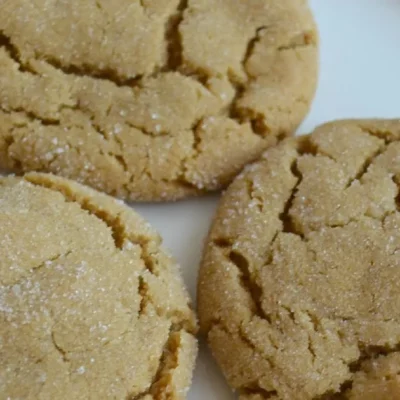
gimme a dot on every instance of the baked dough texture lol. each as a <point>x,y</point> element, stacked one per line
<point>299,290</point>
<point>151,99</point>
<point>91,307</point>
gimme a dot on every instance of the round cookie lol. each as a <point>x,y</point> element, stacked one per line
<point>299,290</point>
<point>151,100</point>
<point>91,307</point>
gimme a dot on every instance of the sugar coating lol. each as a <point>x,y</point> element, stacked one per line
<point>299,290</point>
<point>151,100</point>
<point>91,306</point>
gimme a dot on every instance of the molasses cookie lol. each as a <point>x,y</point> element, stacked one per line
<point>299,291</point>
<point>91,307</point>
<point>151,100</point>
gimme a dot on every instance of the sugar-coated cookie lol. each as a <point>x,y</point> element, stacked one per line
<point>91,307</point>
<point>299,290</point>
<point>151,99</point>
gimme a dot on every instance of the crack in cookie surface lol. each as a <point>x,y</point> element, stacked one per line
<point>167,71</point>
<point>306,307</point>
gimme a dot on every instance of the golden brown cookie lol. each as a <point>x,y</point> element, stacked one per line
<point>91,307</point>
<point>151,99</point>
<point>299,291</point>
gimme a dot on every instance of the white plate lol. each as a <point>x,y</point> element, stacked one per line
<point>359,77</point>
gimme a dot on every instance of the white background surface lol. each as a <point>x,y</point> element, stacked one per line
<point>359,77</point>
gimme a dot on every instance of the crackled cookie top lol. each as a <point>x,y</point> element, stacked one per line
<point>90,306</point>
<point>151,99</point>
<point>299,291</point>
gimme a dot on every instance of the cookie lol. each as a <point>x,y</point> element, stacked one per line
<point>151,100</point>
<point>299,290</point>
<point>91,307</point>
